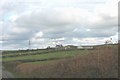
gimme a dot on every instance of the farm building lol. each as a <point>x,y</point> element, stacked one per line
<point>70,47</point>
<point>85,47</point>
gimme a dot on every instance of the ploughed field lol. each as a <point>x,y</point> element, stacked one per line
<point>101,62</point>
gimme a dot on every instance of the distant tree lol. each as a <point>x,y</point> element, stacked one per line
<point>48,47</point>
<point>108,41</point>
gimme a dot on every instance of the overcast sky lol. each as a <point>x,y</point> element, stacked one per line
<point>49,22</point>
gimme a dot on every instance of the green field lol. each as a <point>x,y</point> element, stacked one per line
<point>50,55</point>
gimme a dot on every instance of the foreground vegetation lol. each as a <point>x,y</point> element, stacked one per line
<point>99,63</point>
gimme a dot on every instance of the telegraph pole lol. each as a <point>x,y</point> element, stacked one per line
<point>29,44</point>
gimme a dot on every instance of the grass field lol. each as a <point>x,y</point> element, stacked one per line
<point>61,54</point>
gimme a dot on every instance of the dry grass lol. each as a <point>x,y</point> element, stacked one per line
<point>100,63</point>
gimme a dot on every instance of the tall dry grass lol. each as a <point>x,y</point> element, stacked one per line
<point>99,63</point>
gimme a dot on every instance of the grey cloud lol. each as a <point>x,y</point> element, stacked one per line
<point>55,23</point>
<point>107,22</point>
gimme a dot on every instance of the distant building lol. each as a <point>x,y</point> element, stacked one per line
<point>85,47</point>
<point>70,47</point>
<point>79,47</point>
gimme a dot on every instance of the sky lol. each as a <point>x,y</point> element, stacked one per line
<point>50,22</point>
